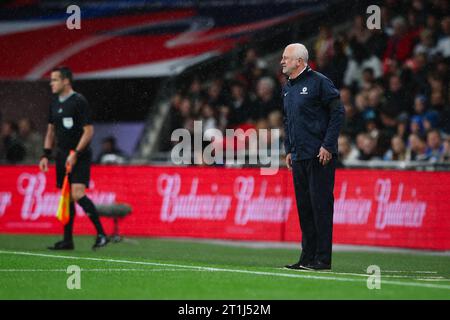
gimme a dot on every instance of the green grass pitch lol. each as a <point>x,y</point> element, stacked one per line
<point>143,268</point>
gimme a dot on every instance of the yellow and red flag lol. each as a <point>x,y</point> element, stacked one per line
<point>63,213</point>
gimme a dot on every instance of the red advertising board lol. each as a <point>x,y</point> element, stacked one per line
<point>372,207</point>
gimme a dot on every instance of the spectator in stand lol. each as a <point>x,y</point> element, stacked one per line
<point>209,121</point>
<point>426,44</point>
<point>443,43</point>
<point>182,111</point>
<point>368,79</point>
<point>375,99</point>
<point>324,45</point>
<point>110,154</point>
<point>376,44</point>
<point>215,94</point>
<point>432,24</point>
<point>437,101</point>
<point>386,21</point>
<point>340,62</point>
<point>442,67</point>
<point>403,126</point>
<point>361,59</point>
<point>431,120</point>
<point>400,45</point>
<point>175,103</point>
<point>388,122</point>
<point>434,85</point>
<point>195,91</point>
<point>240,105</point>
<point>361,101</point>
<point>417,68</point>
<point>428,119</point>
<point>31,140</point>
<point>346,97</point>
<point>397,152</point>
<point>420,105</point>
<point>417,148</point>
<point>334,68</point>
<point>359,31</point>
<point>435,148</point>
<point>275,121</point>
<point>263,124</point>
<point>223,116</point>
<point>396,96</point>
<point>413,22</point>
<point>253,67</point>
<point>353,123</point>
<point>12,146</point>
<point>416,125</point>
<point>346,150</point>
<point>418,6</point>
<point>446,152</point>
<point>370,123</point>
<point>266,100</point>
<point>252,59</point>
<point>367,147</point>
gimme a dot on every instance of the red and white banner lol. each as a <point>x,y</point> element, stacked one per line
<point>382,208</point>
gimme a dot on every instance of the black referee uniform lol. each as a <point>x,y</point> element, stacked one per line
<point>313,116</point>
<point>69,116</point>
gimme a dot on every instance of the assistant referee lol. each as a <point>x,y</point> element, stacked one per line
<point>313,116</point>
<point>71,124</point>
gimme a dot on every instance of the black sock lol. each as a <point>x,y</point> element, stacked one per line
<point>68,228</point>
<point>89,207</point>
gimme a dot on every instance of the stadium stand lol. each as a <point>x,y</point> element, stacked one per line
<point>394,82</point>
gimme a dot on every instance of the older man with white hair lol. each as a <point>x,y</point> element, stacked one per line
<point>313,117</point>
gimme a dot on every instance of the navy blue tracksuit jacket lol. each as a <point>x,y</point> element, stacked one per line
<point>313,115</point>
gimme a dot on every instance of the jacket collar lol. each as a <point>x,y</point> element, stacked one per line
<point>300,76</point>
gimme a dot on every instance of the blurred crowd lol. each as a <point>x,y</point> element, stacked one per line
<point>393,81</point>
<point>394,85</point>
<point>20,142</point>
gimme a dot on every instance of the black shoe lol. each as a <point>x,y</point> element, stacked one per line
<point>62,245</point>
<point>320,266</point>
<point>298,266</point>
<point>101,241</point>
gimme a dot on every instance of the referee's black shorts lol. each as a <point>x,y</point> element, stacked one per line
<point>81,172</point>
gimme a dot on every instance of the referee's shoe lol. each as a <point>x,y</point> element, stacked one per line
<point>101,241</point>
<point>62,245</point>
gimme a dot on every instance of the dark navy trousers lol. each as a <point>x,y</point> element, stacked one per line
<point>314,185</point>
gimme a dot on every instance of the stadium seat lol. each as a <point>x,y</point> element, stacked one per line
<point>115,211</point>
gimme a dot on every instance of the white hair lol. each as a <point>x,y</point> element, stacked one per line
<point>299,51</point>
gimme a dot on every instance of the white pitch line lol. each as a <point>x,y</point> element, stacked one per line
<point>263,273</point>
<point>366,275</point>
<point>432,279</point>
<point>93,270</point>
<point>405,271</point>
<point>194,270</point>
